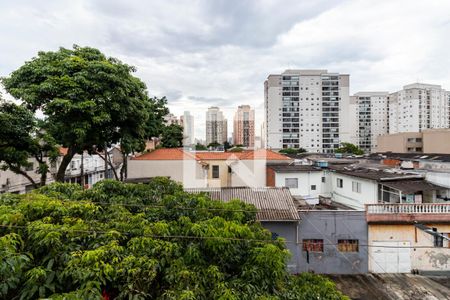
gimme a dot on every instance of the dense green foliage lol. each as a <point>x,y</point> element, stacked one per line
<point>236,149</point>
<point>172,136</point>
<point>292,150</point>
<point>141,242</point>
<point>200,147</point>
<point>90,101</point>
<point>349,148</point>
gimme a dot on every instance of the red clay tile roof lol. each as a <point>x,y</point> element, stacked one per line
<point>179,154</point>
<point>165,154</point>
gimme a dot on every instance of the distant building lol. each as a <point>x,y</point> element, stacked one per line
<point>372,118</point>
<point>187,121</point>
<point>418,107</point>
<point>427,141</point>
<point>170,119</point>
<point>307,109</point>
<point>244,127</point>
<point>216,126</point>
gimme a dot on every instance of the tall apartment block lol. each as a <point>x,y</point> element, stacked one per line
<point>307,109</point>
<point>371,118</point>
<point>244,126</point>
<point>216,126</point>
<point>170,119</point>
<point>187,121</point>
<point>417,107</point>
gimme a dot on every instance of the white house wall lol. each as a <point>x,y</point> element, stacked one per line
<point>305,181</point>
<point>346,196</point>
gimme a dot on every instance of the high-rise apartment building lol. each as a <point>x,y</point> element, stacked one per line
<point>308,109</point>
<point>187,121</point>
<point>418,106</point>
<point>216,126</point>
<point>244,126</point>
<point>170,119</point>
<point>371,118</point>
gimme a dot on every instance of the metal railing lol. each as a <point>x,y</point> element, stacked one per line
<point>406,208</point>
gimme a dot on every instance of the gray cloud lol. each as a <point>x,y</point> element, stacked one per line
<point>202,53</point>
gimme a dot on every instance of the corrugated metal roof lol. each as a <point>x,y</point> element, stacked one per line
<point>412,186</point>
<point>272,203</point>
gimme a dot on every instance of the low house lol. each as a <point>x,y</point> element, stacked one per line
<point>205,168</point>
<point>400,243</point>
<point>305,181</point>
<point>276,212</point>
<point>333,240</point>
<point>356,187</point>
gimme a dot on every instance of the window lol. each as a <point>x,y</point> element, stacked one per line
<point>291,183</point>
<point>323,178</point>
<point>215,171</point>
<point>313,187</point>
<point>348,245</point>
<point>356,187</point>
<point>339,182</point>
<point>313,245</point>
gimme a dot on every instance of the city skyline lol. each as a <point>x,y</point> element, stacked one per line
<point>213,56</point>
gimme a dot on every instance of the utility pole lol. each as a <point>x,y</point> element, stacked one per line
<point>82,170</point>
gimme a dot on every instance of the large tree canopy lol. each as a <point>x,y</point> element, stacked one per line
<point>22,137</point>
<point>172,136</point>
<point>90,101</point>
<point>152,241</point>
<point>349,148</point>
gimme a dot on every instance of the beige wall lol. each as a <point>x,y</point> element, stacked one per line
<point>436,141</point>
<point>423,259</point>
<point>223,179</point>
<point>188,172</point>
<point>398,142</point>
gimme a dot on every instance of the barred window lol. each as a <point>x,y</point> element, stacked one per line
<point>348,245</point>
<point>313,245</point>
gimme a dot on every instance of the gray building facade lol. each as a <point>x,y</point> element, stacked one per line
<point>332,242</point>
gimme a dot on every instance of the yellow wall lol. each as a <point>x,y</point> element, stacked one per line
<point>222,181</point>
<point>428,259</point>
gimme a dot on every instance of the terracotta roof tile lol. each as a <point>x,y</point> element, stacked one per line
<point>180,154</point>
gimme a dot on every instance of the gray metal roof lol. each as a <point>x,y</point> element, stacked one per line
<point>272,203</point>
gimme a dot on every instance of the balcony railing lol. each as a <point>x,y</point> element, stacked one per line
<point>406,208</point>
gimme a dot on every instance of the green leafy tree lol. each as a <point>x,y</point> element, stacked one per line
<point>23,137</point>
<point>90,101</point>
<point>214,145</point>
<point>153,241</point>
<point>292,150</point>
<point>236,149</point>
<point>227,145</point>
<point>172,136</point>
<point>349,149</point>
<point>200,147</point>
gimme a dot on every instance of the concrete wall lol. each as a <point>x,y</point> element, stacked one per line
<point>305,181</point>
<point>287,231</point>
<point>332,226</point>
<point>188,172</point>
<point>399,142</point>
<point>430,259</point>
<point>433,141</point>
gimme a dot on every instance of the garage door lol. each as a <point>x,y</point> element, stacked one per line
<point>390,257</point>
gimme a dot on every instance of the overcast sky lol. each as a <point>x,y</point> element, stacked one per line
<point>213,52</point>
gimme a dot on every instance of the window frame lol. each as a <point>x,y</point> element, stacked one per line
<point>215,172</point>
<point>312,245</point>
<point>288,185</point>
<point>339,182</point>
<point>348,245</point>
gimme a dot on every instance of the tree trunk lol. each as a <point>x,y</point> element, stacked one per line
<point>43,178</point>
<point>23,173</point>
<point>108,162</point>
<point>60,175</point>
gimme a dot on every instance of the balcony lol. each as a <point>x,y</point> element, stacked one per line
<point>408,213</point>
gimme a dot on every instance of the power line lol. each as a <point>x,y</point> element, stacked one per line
<point>191,237</point>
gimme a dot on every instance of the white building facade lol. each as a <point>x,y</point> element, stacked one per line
<point>417,107</point>
<point>307,109</point>
<point>216,126</point>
